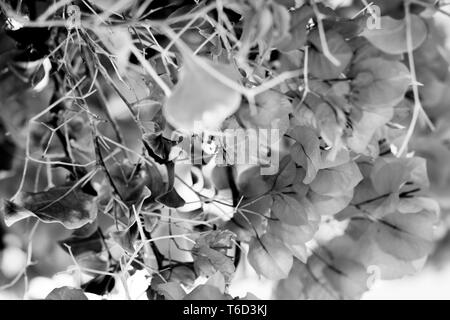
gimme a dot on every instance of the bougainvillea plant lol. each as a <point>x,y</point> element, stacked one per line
<point>185,140</point>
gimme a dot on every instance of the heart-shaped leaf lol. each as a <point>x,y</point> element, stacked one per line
<point>66,293</point>
<point>66,205</point>
<point>391,36</point>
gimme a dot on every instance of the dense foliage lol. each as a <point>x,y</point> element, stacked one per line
<point>103,101</point>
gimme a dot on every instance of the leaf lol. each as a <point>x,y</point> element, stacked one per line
<point>155,182</point>
<point>329,205</point>
<point>348,277</point>
<point>171,290</point>
<point>129,179</point>
<point>273,109</point>
<point>100,285</point>
<point>7,148</point>
<point>199,101</point>
<point>348,28</point>
<point>251,183</point>
<point>107,5</point>
<point>206,292</point>
<point>293,235</point>
<point>290,3</point>
<point>217,239</point>
<point>328,274</point>
<point>297,30</point>
<point>286,174</point>
<point>306,152</point>
<point>71,208</point>
<point>90,260</point>
<point>406,236</point>
<point>387,177</point>
<point>126,238</point>
<point>417,204</point>
<point>257,24</point>
<point>359,245</point>
<point>80,244</point>
<point>249,296</point>
<point>288,209</point>
<point>331,123</point>
<point>281,23</point>
<point>302,284</point>
<point>158,146</point>
<point>364,129</point>
<point>337,180</point>
<point>66,293</point>
<point>298,186</point>
<point>182,274</point>
<point>364,50</point>
<point>117,41</point>
<point>210,254</point>
<point>171,199</point>
<point>246,224</point>
<point>319,65</point>
<point>208,261</point>
<point>378,83</point>
<point>391,37</point>
<point>390,174</point>
<point>269,257</point>
<point>330,160</point>
<point>396,243</point>
<point>299,251</point>
<point>213,289</point>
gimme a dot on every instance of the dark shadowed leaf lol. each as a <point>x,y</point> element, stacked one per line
<point>158,146</point>
<point>126,238</point>
<point>129,179</point>
<point>80,244</point>
<point>65,205</point>
<point>100,285</point>
<point>210,254</point>
<point>171,199</point>
<point>7,149</point>
<point>171,290</point>
<point>66,293</point>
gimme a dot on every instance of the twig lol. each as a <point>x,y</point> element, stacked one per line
<point>323,39</point>
<point>417,104</point>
